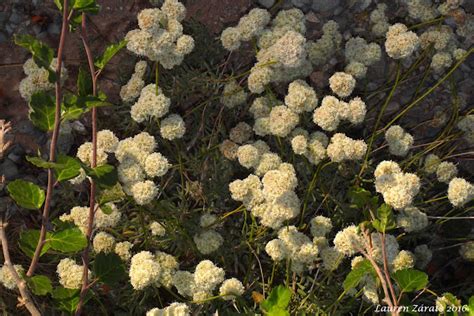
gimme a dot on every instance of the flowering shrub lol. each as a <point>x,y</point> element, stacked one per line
<point>228,187</point>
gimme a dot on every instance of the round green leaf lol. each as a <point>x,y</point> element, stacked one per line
<point>26,194</point>
<point>40,285</point>
<point>68,240</point>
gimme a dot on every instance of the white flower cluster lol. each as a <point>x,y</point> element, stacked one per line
<point>7,279</point>
<point>460,192</point>
<point>398,188</point>
<point>282,54</point>
<point>139,161</point>
<point>36,79</point>
<point>379,20</point>
<point>342,147</point>
<point>70,273</point>
<point>174,309</point>
<point>233,94</point>
<point>313,146</point>
<point>400,42</point>
<point>294,246</point>
<point>123,250</point>
<point>431,164</point>
<point>231,288</point>
<point>320,51</point>
<point>446,171</point>
<point>241,133</point>
<point>208,240</point>
<point>422,10</point>
<point>332,111</point>
<point>342,84</point>
<point>444,42</point>
<point>106,143</point>
<point>360,55</point>
<point>147,269</point>
<point>200,284</point>
<point>273,198</point>
<point>160,36</point>
<point>131,91</point>
<point>249,27</point>
<point>103,242</point>
<point>467,251</point>
<point>348,241</point>
<point>79,215</point>
<point>411,219</point>
<point>466,124</point>
<point>399,141</point>
<point>301,97</point>
<point>157,229</point>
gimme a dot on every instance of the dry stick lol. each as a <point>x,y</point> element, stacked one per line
<point>52,148</point>
<point>20,283</point>
<point>387,274</point>
<point>90,225</point>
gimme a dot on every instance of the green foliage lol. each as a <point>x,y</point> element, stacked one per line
<point>42,53</point>
<point>112,194</point>
<point>66,299</point>
<point>42,110</point>
<point>26,194</point>
<point>68,240</point>
<point>89,6</point>
<point>74,106</point>
<point>354,277</point>
<point>84,83</point>
<point>109,53</point>
<point>385,220</point>
<point>277,302</point>
<point>361,198</point>
<point>40,284</point>
<point>105,176</point>
<point>29,240</point>
<point>470,306</point>
<point>65,167</point>
<point>410,280</point>
<point>109,268</point>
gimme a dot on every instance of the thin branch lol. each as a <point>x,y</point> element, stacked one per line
<point>52,148</point>
<point>90,224</point>
<point>387,274</point>
<point>20,283</point>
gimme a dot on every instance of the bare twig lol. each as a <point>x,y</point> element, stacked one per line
<point>5,127</point>
<point>90,223</point>
<point>20,283</point>
<point>54,141</point>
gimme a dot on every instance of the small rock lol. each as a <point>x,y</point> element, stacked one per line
<point>301,3</point>
<point>15,18</point>
<point>54,29</point>
<point>324,5</point>
<point>312,17</point>
<point>14,157</point>
<point>78,127</point>
<point>266,3</point>
<point>9,169</point>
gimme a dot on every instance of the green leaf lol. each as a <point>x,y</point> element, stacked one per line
<point>59,4</point>
<point>360,197</point>
<point>29,240</point>
<point>66,168</point>
<point>105,176</point>
<point>109,53</point>
<point>113,194</point>
<point>42,53</point>
<point>89,6</point>
<point>42,108</point>
<point>26,194</point>
<point>109,268</point>
<point>470,306</point>
<point>410,280</point>
<point>40,162</point>
<point>68,240</point>
<point>66,299</point>
<point>84,83</point>
<point>385,220</point>
<point>40,284</point>
<point>278,301</point>
<point>357,273</point>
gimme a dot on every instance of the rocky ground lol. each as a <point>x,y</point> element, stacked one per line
<point>41,19</point>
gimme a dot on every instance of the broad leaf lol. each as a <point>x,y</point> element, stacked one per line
<point>360,198</point>
<point>66,168</point>
<point>42,110</point>
<point>105,176</point>
<point>84,83</point>
<point>68,240</point>
<point>357,273</point>
<point>26,194</point>
<point>385,220</point>
<point>29,240</point>
<point>40,284</point>
<point>89,6</point>
<point>470,306</point>
<point>278,301</point>
<point>410,280</point>
<point>109,268</point>
<point>42,53</point>
<point>109,53</point>
<point>66,299</point>
<point>40,162</point>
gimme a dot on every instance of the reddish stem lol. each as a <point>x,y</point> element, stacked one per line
<point>90,223</point>
<point>54,141</point>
